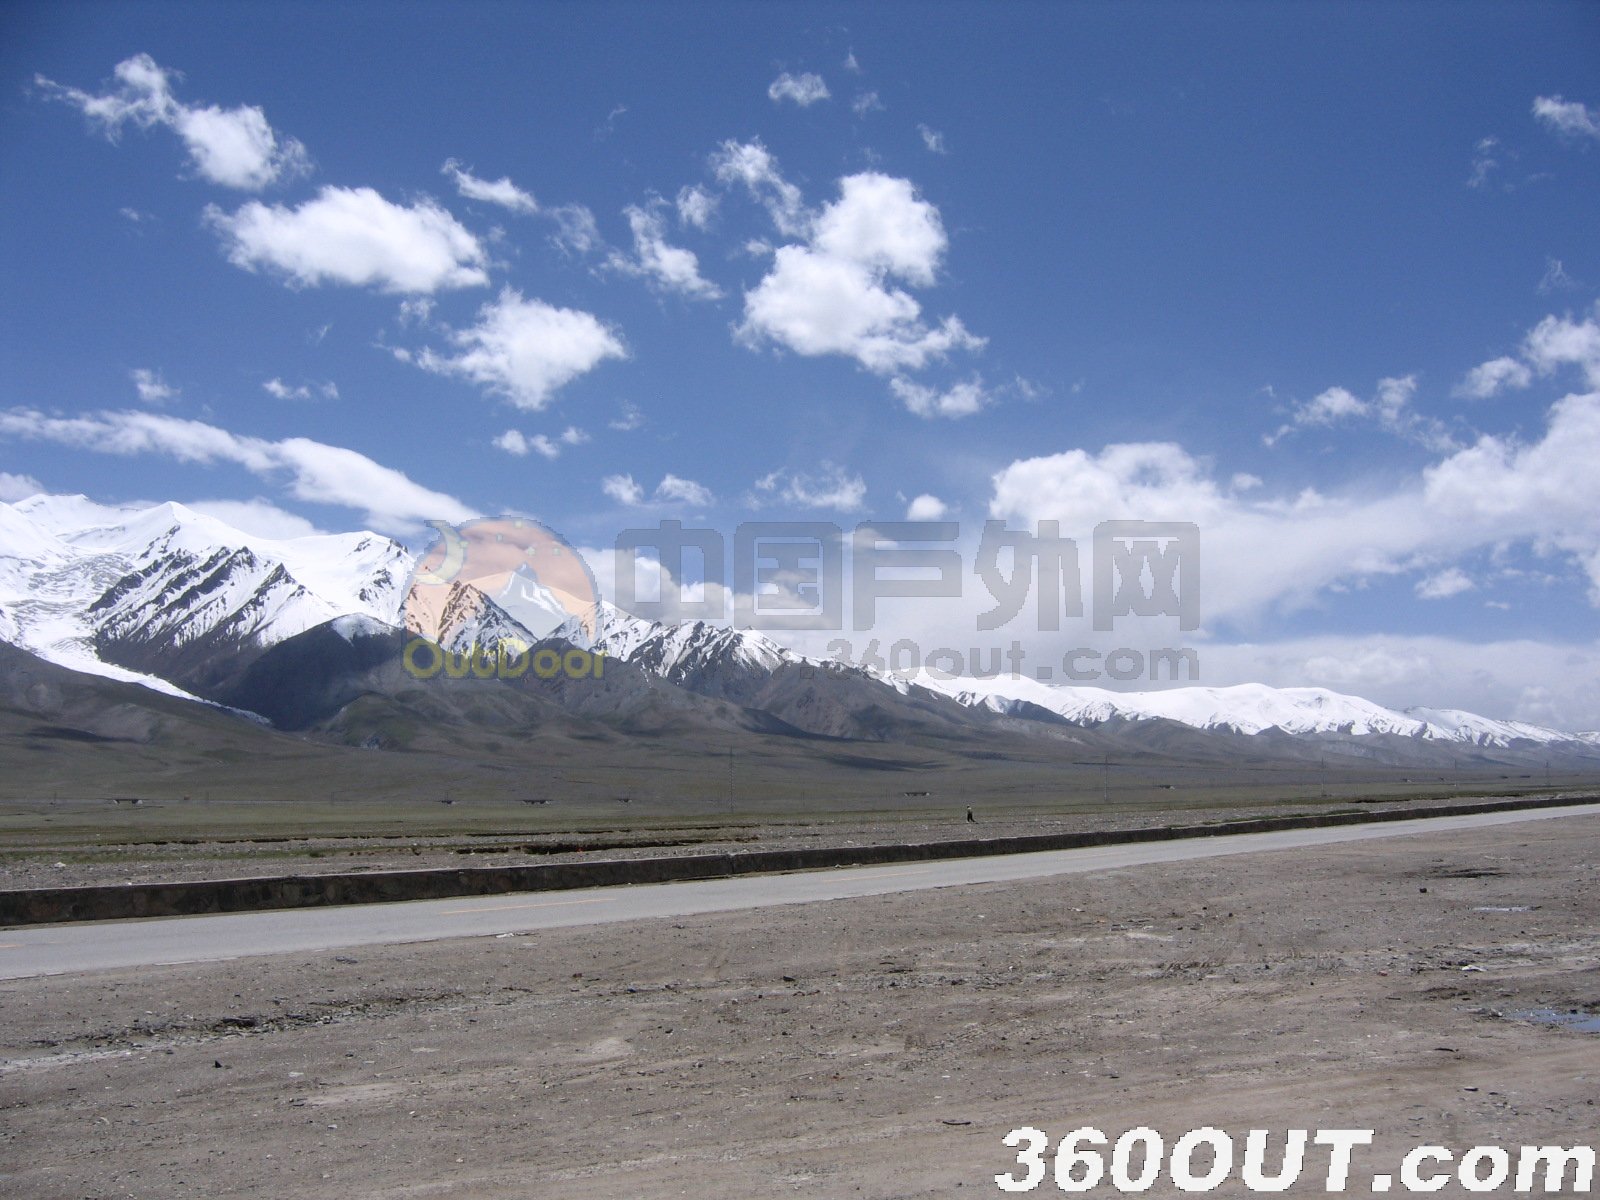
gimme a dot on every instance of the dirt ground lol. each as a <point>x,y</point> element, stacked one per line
<point>878,1047</point>
<point>80,855</point>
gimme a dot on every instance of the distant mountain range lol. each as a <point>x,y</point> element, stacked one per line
<point>305,632</point>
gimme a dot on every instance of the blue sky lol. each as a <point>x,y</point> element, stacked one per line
<point>1321,279</point>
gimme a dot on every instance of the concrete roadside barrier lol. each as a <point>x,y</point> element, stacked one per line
<point>109,902</point>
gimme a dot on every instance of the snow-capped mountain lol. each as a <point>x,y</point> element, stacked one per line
<point>1255,708</point>
<point>182,601</point>
<point>728,664</point>
<point>466,618</point>
<point>1455,725</point>
<point>152,594</point>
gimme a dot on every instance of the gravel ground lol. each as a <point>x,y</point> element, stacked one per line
<point>876,1047</point>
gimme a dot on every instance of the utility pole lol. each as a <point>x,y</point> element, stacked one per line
<point>1105,779</point>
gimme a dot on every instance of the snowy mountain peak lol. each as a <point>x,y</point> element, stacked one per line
<point>145,591</point>
<point>357,625</point>
<point>163,594</point>
<point>1250,709</point>
<point>1454,725</point>
<point>667,648</point>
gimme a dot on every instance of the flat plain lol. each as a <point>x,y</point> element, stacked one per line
<point>96,839</point>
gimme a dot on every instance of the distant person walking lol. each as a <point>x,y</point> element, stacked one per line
<point>971,820</point>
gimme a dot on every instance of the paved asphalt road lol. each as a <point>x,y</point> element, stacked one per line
<point>58,949</point>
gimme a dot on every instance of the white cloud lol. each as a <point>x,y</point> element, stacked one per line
<point>354,236</point>
<point>851,64</point>
<point>526,349</point>
<point>751,164</point>
<point>1330,406</point>
<point>881,223</point>
<point>234,147</point>
<point>1451,582</point>
<point>316,472</point>
<point>417,310</point>
<point>933,140</point>
<point>926,508</point>
<point>280,391</point>
<point>609,126</point>
<point>866,102</point>
<point>650,578</point>
<point>1546,491</point>
<point>1390,409</point>
<point>151,387</point>
<point>816,305</point>
<point>832,295</point>
<point>631,418</point>
<point>18,487</point>
<point>131,432</point>
<point>1555,278</point>
<point>324,474</point>
<point>1484,162</point>
<point>1266,551</point>
<point>259,517</point>
<point>1547,683</point>
<point>1554,683</point>
<point>671,268</point>
<point>622,489</point>
<point>1560,341</point>
<point>805,89</point>
<point>1493,377</point>
<point>516,443</point>
<point>673,490</point>
<point>1567,117</point>
<point>512,442</point>
<point>573,436</point>
<point>1154,481</point>
<point>696,207</point>
<point>499,191</point>
<point>1554,343</point>
<point>1393,400</point>
<point>1258,554</point>
<point>576,230</point>
<point>961,400</point>
<point>831,487</point>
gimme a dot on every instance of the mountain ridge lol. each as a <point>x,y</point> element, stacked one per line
<point>183,602</point>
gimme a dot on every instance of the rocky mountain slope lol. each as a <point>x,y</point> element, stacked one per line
<point>297,629</point>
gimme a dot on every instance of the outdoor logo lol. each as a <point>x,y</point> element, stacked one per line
<point>484,590</point>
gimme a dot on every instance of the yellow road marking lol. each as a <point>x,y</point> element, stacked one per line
<point>454,912</point>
